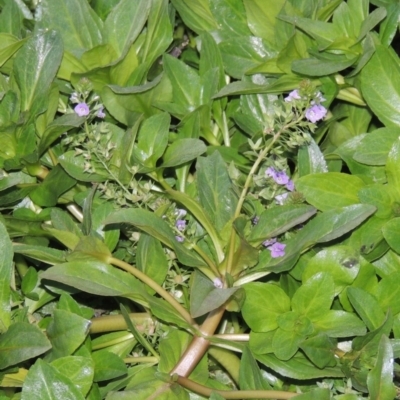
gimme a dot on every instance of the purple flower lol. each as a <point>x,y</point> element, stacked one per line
<point>280,199</point>
<point>82,109</point>
<point>281,178</point>
<point>316,113</point>
<point>290,185</point>
<point>293,95</point>
<point>180,224</point>
<point>269,242</point>
<point>101,113</point>
<point>180,212</point>
<point>271,172</point>
<point>179,239</point>
<point>277,250</point>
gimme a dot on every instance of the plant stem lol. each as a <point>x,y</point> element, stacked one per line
<point>155,286</point>
<point>131,360</point>
<point>110,323</point>
<point>239,394</point>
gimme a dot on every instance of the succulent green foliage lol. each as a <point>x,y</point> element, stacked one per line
<point>179,177</point>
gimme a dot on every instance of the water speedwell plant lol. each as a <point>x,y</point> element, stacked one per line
<point>199,199</point>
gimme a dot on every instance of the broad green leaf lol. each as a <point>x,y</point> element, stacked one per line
<point>379,196</point>
<point>393,167</point>
<point>315,296</point>
<point>205,296</point>
<point>286,343</point>
<point>79,369</point>
<point>380,378</point>
<point>277,220</point>
<point>107,366</point>
<point>97,278</point>
<point>196,15</point>
<point>388,293</point>
<point>320,394</point>
<point>44,382</point>
<point>371,21</point>
<point>29,281</point>
<point>6,274</point>
<point>341,262</point>
<point>66,332</point>
<point>315,67</point>
<point>56,183</point>
<point>124,23</point>
<point>320,350</point>
<point>380,82</point>
<point>215,189</point>
<point>388,28</point>
<point>250,374</point>
<point>330,190</point>
<point>21,342</point>
<point>152,140</point>
<point>35,67</point>
<point>63,221</point>
<point>151,258</point>
<point>181,151</point>
<point>311,160</point>
<point>12,18</point>
<point>9,45</point>
<point>391,232</point>
<point>261,18</point>
<point>263,304</point>
<point>136,89</point>
<point>156,227</point>
<point>335,323</point>
<point>298,367</point>
<point>375,146</point>
<point>77,23</point>
<point>367,307</point>
<point>56,128</point>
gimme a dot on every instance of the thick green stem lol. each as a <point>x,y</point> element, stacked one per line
<point>155,286</point>
<point>238,394</point>
<point>110,323</point>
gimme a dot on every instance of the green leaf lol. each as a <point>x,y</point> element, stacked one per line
<point>367,307</point>
<point>250,376</point>
<point>286,343</point>
<point>391,232</point>
<point>97,278</point>
<point>44,382</point>
<point>277,220</point>
<point>35,67</point>
<point>216,192</point>
<point>330,190</point>
<point>124,23</point>
<point>151,259</point>
<point>263,304</point>
<point>320,394</point>
<point>55,184</point>
<point>315,67</point>
<point>205,296</point>
<point>29,281</point>
<point>341,262</point>
<point>388,293</point>
<point>156,227</point>
<point>335,323</point>
<point>21,342</point>
<point>375,146</point>
<point>77,23</point>
<point>66,332</point>
<point>311,160</point>
<point>40,253</point>
<point>80,370</point>
<point>380,378</point>
<point>320,350</point>
<point>315,296</point>
<point>380,82</point>
<point>183,150</point>
<point>379,196</point>
<point>6,274</point>
<point>393,167</point>
<point>107,366</point>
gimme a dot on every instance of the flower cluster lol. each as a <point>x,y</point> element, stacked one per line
<point>276,248</point>
<point>281,178</point>
<point>316,111</point>
<point>180,223</point>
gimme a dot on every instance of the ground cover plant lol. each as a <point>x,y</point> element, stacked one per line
<point>199,199</point>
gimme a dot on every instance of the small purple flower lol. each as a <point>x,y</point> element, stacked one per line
<point>277,250</point>
<point>82,109</point>
<point>101,113</point>
<point>280,199</point>
<point>255,220</point>
<point>281,178</point>
<point>180,224</point>
<point>270,172</point>
<point>180,212</point>
<point>316,113</point>
<point>269,242</point>
<point>290,185</point>
<point>293,95</point>
<point>218,283</point>
<point>179,239</point>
